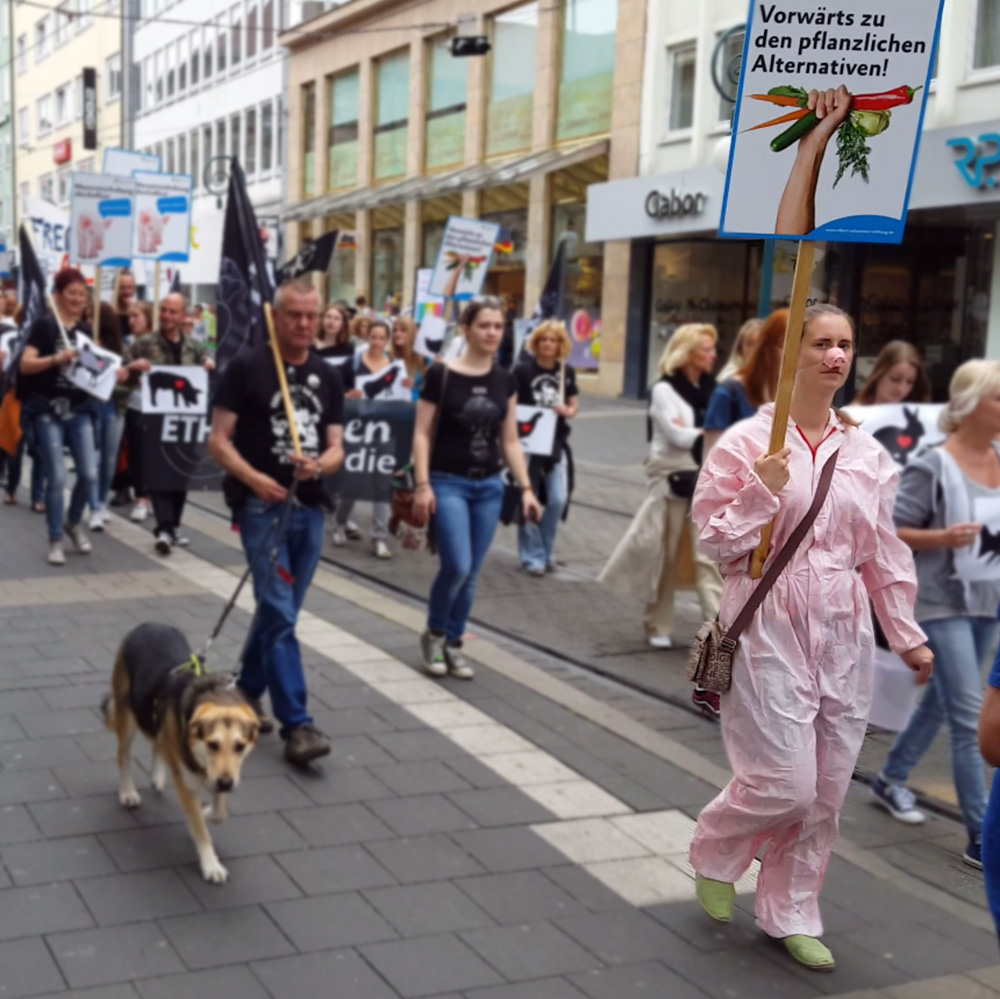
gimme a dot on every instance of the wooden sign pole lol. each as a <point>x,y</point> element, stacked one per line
<point>156,296</point>
<point>98,277</point>
<point>293,427</point>
<point>801,283</point>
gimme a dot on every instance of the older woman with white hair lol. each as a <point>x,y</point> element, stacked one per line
<point>943,493</point>
<point>645,561</point>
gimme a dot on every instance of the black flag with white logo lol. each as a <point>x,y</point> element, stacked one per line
<point>314,256</point>
<point>32,296</point>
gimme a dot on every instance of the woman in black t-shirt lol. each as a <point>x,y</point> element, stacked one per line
<point>334,338</point>
<point>545,379</point>
<point>466,422</point>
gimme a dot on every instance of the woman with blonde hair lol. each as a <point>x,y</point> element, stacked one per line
<point>941,495</point>
<point>546,379</point>
<point>645,561</point>
<point>739,397</point>
<point>898,376</point>
<point>360,325</point>
<point>743,347</point>
<point>404,336</point>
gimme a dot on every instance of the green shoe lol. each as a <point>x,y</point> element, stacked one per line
<point>716,897</point>
<point>810,952</point>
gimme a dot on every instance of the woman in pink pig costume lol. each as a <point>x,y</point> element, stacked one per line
<point>795,717</point>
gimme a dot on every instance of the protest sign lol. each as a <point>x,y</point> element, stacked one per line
<point>162,216</point>
<point>7,342</point>
<point>901,428</point>
<point>101,218</point>
<point>980,561</point>
<point>95,370</point>
<point>536,426</point>
<point>175,454</point>
<point>426,302</point>
<point>431,335</point>
<point>175,389</point>
<point>386,385</point>
<point>464,258</point>
<point>844,174</point>
<point>49,229</point>
<point>125,162</point>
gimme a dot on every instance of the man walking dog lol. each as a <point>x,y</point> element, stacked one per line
<point>252,441</point>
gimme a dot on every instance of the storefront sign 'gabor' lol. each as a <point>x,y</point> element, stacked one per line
<point>664,206</point>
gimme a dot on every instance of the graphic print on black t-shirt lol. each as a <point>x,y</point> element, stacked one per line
<point>480,414</point>
<point>538,386</point>
<point>308,412</point>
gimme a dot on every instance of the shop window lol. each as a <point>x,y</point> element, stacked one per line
<point>987,48</point>
<point>587,68</point>
<point>387,266</point>
<point>308,140</point>
<point>512,81</point>
<point>342,136</point>
<point>681,62</point>
<point>340,276</point>
<point>732,54</point>
<point>446,96</point>
<point>583,284</point>
<point>392,115</point>
<point>432,237</point>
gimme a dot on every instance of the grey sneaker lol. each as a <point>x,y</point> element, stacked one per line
<point>380,549</point>
<point>432,647</point>
<point>56,555</point>
<point>338,535</point>
<point>899,801</point>
<point>458,665</point>
<point>163,543</point>
<point>352,531</point>
<point>76,534</point>
<point>305,744</point>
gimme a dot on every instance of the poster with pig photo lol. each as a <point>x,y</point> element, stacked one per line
<point>101,214</point>
<point>170,389</point>
<point>162,216</point>
<point>901,428</point>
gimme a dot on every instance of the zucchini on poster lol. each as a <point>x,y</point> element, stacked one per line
<point>828,118</point>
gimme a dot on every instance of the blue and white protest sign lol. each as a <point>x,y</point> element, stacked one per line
<point>125,162</point>
<point>101,219</point>
<point>828,118</point>
<point>162,216</point>
<point>464,258</point>
<point>48,227</point>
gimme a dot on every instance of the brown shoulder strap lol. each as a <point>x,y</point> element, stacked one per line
<point>783,557</point>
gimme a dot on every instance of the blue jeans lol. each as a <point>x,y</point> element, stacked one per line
<point>51,435</point>
<point>991,852</point>
<point>468,511</point>
<point>15,465</point>
<point>273,660</point>
<point>108,427</point>
<point>536,542</point>
<point>955,694</point>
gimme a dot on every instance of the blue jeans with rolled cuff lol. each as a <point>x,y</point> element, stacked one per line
<point>536,542</point>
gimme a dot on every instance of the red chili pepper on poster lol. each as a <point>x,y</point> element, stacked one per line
<point>882,102</point>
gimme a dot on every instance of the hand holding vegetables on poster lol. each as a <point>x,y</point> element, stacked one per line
<point>828,118</point>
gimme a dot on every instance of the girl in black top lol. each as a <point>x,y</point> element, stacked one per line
<point>466,420</point>
<point>334,338</point>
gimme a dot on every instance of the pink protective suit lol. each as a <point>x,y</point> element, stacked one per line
<point>795,718</point>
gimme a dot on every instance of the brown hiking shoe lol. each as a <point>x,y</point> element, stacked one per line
<point>266,722</point>
<point>305,744</point>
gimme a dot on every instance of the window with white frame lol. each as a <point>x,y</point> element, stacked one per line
<point>158,70</point>
<point>250,157</point>
<point>62,106</point>
<point>86,166</point>
<point>220,137</point>
<point>267,23</point>
<point>195,56</point>
<point>986,51</point>
<point>8,151</point>
<point>4,27</point>
<point>25,194</point>
<point>171,162</point>
<point>235,138</point>
<point>148,76</point>
<point>41,39</point>
<point>252,39</point>
<point>168,58</point>
<point>78,97</point>
<point>43,107</point>
<point>266,137</point>
<point>4,90</point>
<point>220,45</point>
<point>182,154</point>
<point>23,127</point>
<point>85,15</point>
<point>236,36</point>
<point>182,65</point>
<point>113,78</point>
<point>62,186</point>
<point>209,49</point>
<point>46,188</point>
<point>281,130</point>
<point>194,158</point>
<point>22,54</point>
<point>680,104</point>
<point>63,19</point>
<point>731,55</point>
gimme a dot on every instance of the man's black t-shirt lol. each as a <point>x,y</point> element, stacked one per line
<point>50,384</point>
<point>249,388</point>
<point>345,368</point>
<point>538,386</point>
<point>469,419</point>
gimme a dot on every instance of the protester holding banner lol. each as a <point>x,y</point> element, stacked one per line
<point>466,420</point>
<point>59,412</point>
<point>739,397</point>
<point>125,285</point>
<point>140,322</point>
<point>404,337</point>
<point>334,339</point>
<point>795,717</point>
<point>252,440</point>
<point>943,513</point>
<point>169,346</point>
<point>898,376</point>
<point>746,340</point>
<point>547,380</point>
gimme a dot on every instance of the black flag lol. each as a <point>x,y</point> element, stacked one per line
<point>552,301</point>
<point>175,284</point>
<point>32,297</point>
<point>244,278</point>
<point>314,256</point>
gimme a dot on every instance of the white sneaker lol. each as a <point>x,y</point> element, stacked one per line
<point>98,518</point>
<point>337,536</point>
<point>661,642</point>
<point>56,555</point>
<point>352,531</point>
<point>163,543</point>
<point>380,549</point>
<point>140,512</point>
<point>432,649</point>
<point>179,541</point>
<point>75,533</point>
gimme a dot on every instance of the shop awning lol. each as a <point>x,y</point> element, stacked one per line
<point>494,174</point>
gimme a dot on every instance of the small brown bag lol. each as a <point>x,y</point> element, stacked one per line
<point>710,664</point>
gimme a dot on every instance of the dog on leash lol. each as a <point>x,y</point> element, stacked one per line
<point>201,728</point>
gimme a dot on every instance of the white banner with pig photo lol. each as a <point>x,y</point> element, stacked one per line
<point>901,428</point>
<point>464,258</point>
<point>386,385</point>
<point>101,216</point>
<point>162,216</point>
<point>828,119</point>
<point>95,370</point>
<point>175,389</point>
<point>536,426</point>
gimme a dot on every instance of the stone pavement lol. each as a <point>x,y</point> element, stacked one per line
<point>522,836</point>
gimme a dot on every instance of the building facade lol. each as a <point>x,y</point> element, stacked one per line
<point>389,134</point>
<point>207,82</point>
<point>6,121</point>
<point>52,49</point>
<point>939,289</point>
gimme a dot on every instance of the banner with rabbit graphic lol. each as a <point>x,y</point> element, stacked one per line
<point>901,428</point>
